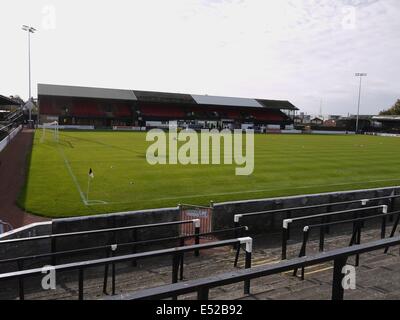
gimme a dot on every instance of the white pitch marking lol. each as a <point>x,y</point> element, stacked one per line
<point>255,191</point>
<point>75,180</point>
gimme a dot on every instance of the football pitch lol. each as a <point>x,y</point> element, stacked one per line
<point>57,181</point>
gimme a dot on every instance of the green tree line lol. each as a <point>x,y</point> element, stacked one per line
<point>393,111</point>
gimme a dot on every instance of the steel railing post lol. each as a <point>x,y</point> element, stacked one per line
<point>249,249</point>
<point>302,253</point>
<point>337,287</point>
<point>202,294</point>
<point>285,238</point>
<point>21,282</point>
<point>134,247</point>
<point>197,237</point>
<point>80,297</point>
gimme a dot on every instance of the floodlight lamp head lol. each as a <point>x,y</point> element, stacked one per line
<point>29,29</point>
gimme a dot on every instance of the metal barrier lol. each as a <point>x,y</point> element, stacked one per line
<point>20,261</point>
<point>134,229</point>
<point>358,224</point>
<point>203,286</point>
<point>176,253</point>
<point>324,216</point>
<point>328,206</point>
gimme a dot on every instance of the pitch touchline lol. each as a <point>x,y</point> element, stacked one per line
<point>75,180</point>
<point>253,191</point>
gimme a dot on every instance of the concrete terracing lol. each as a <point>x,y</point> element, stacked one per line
<point>378,276</point>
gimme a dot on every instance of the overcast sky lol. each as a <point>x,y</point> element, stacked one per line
<point>304,51</point>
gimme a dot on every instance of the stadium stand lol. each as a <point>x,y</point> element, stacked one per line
<point>102,107</point>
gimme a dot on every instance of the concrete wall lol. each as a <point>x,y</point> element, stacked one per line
<point>114,221</point>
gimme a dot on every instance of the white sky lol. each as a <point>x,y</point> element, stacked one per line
<point>300,50</point>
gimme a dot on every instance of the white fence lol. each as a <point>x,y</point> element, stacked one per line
<point>333,132</point>
<point>383,134</point>
<point>127,128</point>
<point>70,127</point>
<point>8,139</point>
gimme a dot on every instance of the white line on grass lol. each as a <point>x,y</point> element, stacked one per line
<point>75,180</point>
<point>254,191</point>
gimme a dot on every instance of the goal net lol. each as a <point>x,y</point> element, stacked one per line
<point>51,130</point>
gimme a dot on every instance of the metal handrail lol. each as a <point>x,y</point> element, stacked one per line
<point>287,222</point>
<point>177,254</point>
<point>358,224</point>
<point>202,286</point>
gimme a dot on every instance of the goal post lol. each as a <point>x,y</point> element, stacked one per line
<point>52,126</point>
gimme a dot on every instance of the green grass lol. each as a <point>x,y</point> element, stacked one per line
<point>284,165</point>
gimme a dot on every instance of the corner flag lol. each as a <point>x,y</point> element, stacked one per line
<point>91,173</point>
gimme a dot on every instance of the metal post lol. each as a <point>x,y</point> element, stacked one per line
<point>285,237</point>
<point>391,205</point>
<point>284,244</point>
<point>359,100</point>
<point>53,250</point>
<point>202,294</point>
<point>181,267</point>
<point>247,266</point>
<point>337,288</point>
<point>238,247</point>
<point>21,281</point>
<point>175,270</point>
<point>288,216</point>
<point>321,238</point>
<point>383,228</point>
<point>106,267</point>
<point>302,253</point>
<point>134,248</point>
<point>113,279</point>
<point>197,237</point>
<point>80,284</point>
<point>235,231</point>
<point>181,244</point>
<point>358,241</point>
<point>394,228</point>
<point>249,249</point>
<point>175,267</point>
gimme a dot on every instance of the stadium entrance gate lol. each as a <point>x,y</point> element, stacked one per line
<point>190,212</point>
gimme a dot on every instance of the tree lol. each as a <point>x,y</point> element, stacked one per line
<point>393,111</point>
